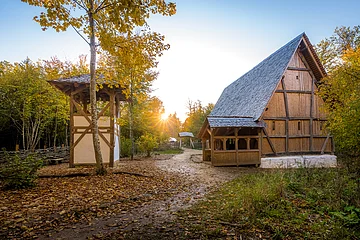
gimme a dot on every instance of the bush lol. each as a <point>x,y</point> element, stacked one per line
<point>17,173</point>
<point>147,143</point>
<point>125,147</point>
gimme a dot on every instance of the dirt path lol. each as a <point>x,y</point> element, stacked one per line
<point>143,222</point>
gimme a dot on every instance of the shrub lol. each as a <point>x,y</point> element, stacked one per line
<point>147,143</point>
<point>17,173</point>
<point>125,147</point>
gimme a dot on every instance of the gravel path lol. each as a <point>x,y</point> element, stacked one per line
<point>145,221</point>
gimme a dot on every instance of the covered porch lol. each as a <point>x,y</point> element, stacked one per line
<point>231,141</point>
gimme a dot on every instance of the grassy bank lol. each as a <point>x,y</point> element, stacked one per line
<point>281,204</point>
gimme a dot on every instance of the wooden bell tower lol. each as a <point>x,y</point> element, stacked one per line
<point>81,144</point>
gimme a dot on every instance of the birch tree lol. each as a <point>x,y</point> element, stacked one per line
<point>98,19</point>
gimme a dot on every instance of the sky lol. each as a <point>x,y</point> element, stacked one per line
<point>213,42</point>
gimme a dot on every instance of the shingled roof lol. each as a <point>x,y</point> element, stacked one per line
<point>248,96</point>
<point>82,82</point>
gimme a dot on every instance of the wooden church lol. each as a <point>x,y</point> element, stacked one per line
<point>271,110</point>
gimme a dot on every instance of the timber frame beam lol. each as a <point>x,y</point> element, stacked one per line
<point>287,118</point>
<point>269,140</point>
<point>82,112</point>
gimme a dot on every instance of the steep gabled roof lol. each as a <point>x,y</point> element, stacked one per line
<point>249,95</point>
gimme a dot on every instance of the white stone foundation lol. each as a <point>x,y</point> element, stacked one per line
<point>309,161</point>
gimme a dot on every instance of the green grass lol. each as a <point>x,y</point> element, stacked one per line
<point>170,151</point>
<point>284,204</point>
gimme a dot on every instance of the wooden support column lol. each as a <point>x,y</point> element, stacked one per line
<point>287,115</point>
<point>260,144</point>
<point>236,147</point>
<point>203,145</point>
<point>311,115</point>
<point>212,144</point>
<point>112,135</point>
<point>118,113</point>
<point>71,161</point>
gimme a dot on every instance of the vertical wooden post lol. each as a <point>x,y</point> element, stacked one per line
<point>287,115</point>
<point>311,115</point>
<point>236,147</point>
<point>203,145</point>
<point>71,161</point>
<point>260,144</point>
<point>112,118</point>
<point>212,145</point>
<point>117,113</point>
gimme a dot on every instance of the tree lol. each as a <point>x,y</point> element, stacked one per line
<point>131,66</point>
<point>171,126</point>
<point>28,101</point>
<point>196,116</point>
<point>341,91</point>
<point>330,50</point>
<point>102,19</point>
<point>147,143</point>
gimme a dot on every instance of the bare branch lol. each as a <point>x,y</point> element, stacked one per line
<point>80,34</point>
<point>104,6</point>
<point>80,5</point>
<point>100,6</point>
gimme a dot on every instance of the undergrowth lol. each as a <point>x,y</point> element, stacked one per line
<point>17,172</point>
<point>284,204</point>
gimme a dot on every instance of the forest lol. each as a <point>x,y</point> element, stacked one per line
<point>35,115</point>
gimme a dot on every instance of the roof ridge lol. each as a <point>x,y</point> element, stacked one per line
<point>249,94</point>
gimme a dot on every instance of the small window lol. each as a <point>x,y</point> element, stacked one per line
<point>273,125</point>
<point>299,125</point>
<point>242,144</point>
<point>218,144</point>
<point>321,125</point>
<point>297,77</point>
<point>230,144</point>
<point>254,143</point>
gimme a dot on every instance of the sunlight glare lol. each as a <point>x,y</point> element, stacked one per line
<point>164,117</point>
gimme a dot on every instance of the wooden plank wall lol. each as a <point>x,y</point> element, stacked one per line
<point>295,115</point>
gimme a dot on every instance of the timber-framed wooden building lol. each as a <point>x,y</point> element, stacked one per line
<point>271,110</point>
<point>81,144</point>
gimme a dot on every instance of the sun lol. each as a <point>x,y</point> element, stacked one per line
<point>164,117</point>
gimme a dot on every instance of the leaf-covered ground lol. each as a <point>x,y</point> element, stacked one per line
<point>59,203</point>
<point>115,206</point>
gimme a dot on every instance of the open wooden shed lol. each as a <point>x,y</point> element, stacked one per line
<point>271,110</point>
<point>81,144</point>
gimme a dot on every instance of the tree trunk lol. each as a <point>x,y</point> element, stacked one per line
<point>95,129</point>
<point>132,150</point>
<point>131,106</point>
<point>23,128</point>
<point>55,129</point>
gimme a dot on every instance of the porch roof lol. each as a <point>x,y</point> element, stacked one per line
<point>234,122</point>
